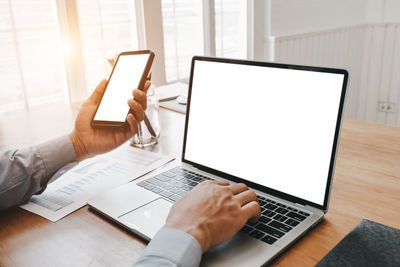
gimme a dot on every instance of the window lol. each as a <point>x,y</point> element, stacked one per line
<point>184,31</point>
<point>31,55</point>
<point>230,28</point>
<point>183,36</point>
<point>107,27</point>
<point>55,51</point>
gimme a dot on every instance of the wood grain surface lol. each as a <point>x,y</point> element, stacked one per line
<point>366,186</point>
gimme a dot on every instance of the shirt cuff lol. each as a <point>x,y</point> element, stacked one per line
<point>55,154</point>
<point>173,245</point>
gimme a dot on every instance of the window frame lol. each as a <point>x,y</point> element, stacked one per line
<point>152,10</point>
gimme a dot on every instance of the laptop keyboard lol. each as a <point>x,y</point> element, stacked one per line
<point>173,184</point>
<point>276,218</point>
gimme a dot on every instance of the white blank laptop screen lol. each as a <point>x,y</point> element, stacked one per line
<point>272,126</point>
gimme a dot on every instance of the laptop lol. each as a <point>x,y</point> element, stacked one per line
<point>274,127</point>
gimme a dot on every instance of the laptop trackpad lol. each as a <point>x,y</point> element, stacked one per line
<point>149,218</point>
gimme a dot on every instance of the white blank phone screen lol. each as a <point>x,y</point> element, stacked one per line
<point>125,78</point>
<point>272,126</point>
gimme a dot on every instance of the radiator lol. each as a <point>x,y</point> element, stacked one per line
<point>370,53</point>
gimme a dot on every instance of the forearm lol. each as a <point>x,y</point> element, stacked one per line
<point>25,172</point>
<point>171,247</point>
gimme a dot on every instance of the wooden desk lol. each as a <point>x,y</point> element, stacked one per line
<point>366,185</point>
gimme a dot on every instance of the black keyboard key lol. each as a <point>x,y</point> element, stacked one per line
<point>186,181</point>
<point>269,230</point>
<point>264,219</point>
<point>281,211</point>
<point>175,198</point>
<point>193,184</point>
<point>262,202</point>
<point>292,222</point>
<point>280,226</point>
<point>273,202</point>
<point>246,229</point>
<point>263,209</point>
<point>187,176</point>
<point>271,206</point>
<point>166,193</point>
<point>281,205</point>
<point>251,223</point>
<point>269,213</point>
<point>280,218</point>
<point>190,176</point>
<point>162,178</point>
<point>290,208</point>
<point>304,213</point>
<point>268,239</point>
<point>256,234</point>
<point>296,216</point>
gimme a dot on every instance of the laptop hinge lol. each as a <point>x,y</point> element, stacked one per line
<point>298,204</point>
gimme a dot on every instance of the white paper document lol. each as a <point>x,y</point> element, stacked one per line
<point>91,177</point>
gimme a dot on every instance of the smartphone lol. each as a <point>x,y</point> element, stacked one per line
<point>130,71</point>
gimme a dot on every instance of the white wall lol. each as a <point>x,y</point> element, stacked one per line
<point>392,11</point>
<point>383,11</point>
<point>360,36</point>
<point>301,16</point>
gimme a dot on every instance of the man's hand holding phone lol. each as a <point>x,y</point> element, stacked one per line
<point>89,141</point>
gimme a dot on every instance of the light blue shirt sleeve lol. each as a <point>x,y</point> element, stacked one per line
<point>25,172</point>
<point>171,247</point>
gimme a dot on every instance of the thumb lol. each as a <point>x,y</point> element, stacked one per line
<point>146,86</point>
<point>98,92</point>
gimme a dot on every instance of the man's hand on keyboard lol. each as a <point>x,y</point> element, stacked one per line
<point>214,211</point>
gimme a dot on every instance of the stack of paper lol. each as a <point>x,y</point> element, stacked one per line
<point>91,177</point>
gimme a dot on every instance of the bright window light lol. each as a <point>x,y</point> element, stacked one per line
<point>230,28</point>
<point>107,27</point>
<point>183,36</point>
